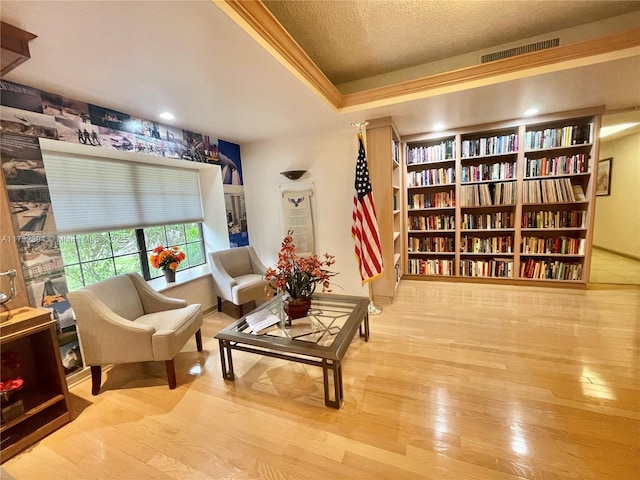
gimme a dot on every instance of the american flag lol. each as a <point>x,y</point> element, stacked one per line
<point>365,224</point>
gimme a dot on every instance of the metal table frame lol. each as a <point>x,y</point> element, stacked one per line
<point>328,357</point>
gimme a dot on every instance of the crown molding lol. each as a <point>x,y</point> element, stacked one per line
<point>564,57</point>
<point>259,22</point>
<point>254,17</point>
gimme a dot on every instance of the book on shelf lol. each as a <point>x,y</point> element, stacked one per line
<point>557,137</point>
<point>431,266</point>
<point>496,145</point>
<point>553,245</point>
<point>494,268</point>
<point>431,244</point>
<point>432,200</point>
<point>488,221</point>
<point>432,222</point>
<point>578,193</point>
<point>561,165</point>
<point>550,270</point>
<point>501,244</point>
<point>445,150</point>
<point>554,219</point>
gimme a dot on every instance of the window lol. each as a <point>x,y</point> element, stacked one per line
<point>89,258</point>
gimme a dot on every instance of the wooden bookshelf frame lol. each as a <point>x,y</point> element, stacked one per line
<point>591,116</point>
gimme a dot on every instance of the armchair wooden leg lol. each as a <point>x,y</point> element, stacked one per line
<point>219,304</point>
<point>96,379</point>
<point>241,311</point>
<point>171,373</point>
<point>199,340</point>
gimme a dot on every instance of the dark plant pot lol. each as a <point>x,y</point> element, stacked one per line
<point>169,275</point>
<point>297,307</point>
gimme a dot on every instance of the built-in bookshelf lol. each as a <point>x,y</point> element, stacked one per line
<point>384,158</point>
<point>431,207</point>
<point>511,201</point>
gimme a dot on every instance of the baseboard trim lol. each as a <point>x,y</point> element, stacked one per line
<point>615,252</point>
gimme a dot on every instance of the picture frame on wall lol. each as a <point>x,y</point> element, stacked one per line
<point>603,183</point>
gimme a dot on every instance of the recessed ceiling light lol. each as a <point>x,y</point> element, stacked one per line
<point>438,126</point>
<point>167,116</point>
<point>610,130</point>
<point>530,112</point>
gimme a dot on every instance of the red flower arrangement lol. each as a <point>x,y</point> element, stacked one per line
<point>298,276</point>
<point>166,258</point>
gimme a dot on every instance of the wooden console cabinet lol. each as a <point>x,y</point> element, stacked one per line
<point>30,334</point>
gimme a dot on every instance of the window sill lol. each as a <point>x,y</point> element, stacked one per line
<point>182,277</point>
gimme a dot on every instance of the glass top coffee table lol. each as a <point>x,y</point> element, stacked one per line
<point>321,338</point>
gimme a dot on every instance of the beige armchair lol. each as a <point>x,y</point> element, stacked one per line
<point>238,276</point>
<point>123,320</point>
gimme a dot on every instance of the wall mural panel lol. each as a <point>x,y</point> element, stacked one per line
<point>27,114</point>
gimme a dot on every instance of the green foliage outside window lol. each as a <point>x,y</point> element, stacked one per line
<point>92,257</point>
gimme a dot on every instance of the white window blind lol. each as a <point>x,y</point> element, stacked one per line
<point>94,194</point>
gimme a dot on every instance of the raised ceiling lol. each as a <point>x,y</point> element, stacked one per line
<point>353,40</point>
<point>196,60</point>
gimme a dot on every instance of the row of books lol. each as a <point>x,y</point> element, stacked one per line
<point>550,270</point>
<point>395,151</point>
<point>557,137</point>
<point>431,266</point>
<point>556,190</point>
<point>554,219</point>
<point>493,171</point>
<point>562,165</point>
<point>445,150</point>
<point>503,193</point>
<point>501,144</point>
<point>431,244</point>
<point>488,221</point>
<point>433,176</point>
<point>432,200</point>
<point>432,222</point>
<point>503,244</point>
<point>496,268</point>
<point>560,245</point>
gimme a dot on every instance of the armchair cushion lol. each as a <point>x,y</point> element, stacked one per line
<point>123,320</point>
<point>238,275</point>
<point>172,329</point>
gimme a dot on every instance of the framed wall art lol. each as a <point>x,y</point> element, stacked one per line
<point>603,184</point>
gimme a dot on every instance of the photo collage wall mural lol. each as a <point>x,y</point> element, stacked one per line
<point>29,113</point>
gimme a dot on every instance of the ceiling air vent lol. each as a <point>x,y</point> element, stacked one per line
<point>512,52</point>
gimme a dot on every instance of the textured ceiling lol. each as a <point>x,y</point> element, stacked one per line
<point>355,39</point>
<point>192,59</point>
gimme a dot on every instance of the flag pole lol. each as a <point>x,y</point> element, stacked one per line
<point>372,308</point>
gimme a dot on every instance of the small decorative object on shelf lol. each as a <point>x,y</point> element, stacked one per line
<point>4,298</point>
<point>298,277</point>
<point>10,383</point>
<point>167,259</point>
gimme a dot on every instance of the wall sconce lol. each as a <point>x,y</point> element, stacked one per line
<point>293,174</point>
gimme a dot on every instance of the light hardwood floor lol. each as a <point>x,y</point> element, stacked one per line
<point>457,382</point>
<point>608,267</point>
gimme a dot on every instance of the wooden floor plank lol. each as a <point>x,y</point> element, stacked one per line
<point>458,381</point>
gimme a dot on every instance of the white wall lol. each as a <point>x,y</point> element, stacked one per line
<point>617,219</point>
<point>330,160</point>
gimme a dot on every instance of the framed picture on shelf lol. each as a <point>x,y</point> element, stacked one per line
<point>603,184</point>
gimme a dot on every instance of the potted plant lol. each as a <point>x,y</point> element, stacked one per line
<point>168,260</point>
<point>298,277</point>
